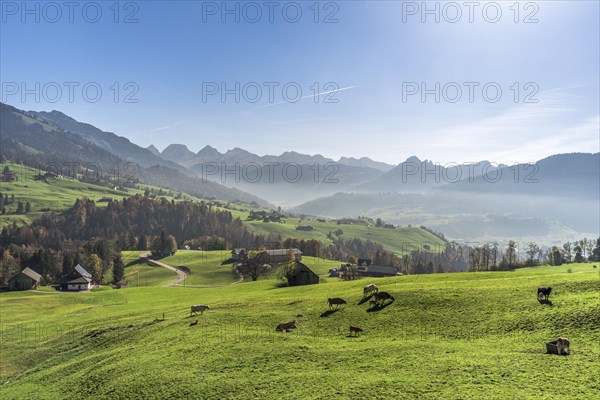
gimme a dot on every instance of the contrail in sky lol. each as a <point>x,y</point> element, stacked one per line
<point>302,98</point>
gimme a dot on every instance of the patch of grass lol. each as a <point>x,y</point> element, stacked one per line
<point>206,267</point>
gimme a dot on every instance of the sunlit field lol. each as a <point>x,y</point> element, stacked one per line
<point>460,336</point>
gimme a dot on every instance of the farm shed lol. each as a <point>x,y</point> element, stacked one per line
<point>282,255</point>
<point>25,280</point>
<point>302,275</point>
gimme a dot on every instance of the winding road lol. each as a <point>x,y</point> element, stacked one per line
<point>181,275</point>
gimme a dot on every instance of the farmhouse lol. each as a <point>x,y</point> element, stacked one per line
<point>302,275</point>
<point>79,280</point>
<point>283,255</point>
<point>363,262</point>
<point>25,280</point>
<point>377,270</point>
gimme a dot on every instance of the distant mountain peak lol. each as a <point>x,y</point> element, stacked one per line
<point>208,152</point>
<point>153,150</point>
<point>413,159</point>
<point>365,162</point>
<point>177,152</point>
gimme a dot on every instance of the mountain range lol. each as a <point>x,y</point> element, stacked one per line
<point>55,140</point>
<point>555,197</point>
<point>180,153</point>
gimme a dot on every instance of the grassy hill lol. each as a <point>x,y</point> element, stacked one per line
<point>60,194</point>
<point>452,336</point>
<point>205,268</point>
<point>400,240</point>
<point>140,273</point>
<point>55,194</point>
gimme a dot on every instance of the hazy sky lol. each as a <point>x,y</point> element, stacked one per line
<point>177,58</point>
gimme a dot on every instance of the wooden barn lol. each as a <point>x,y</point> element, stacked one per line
<point>282,255</point>
<point>25,280</point>
<point>302,275</point>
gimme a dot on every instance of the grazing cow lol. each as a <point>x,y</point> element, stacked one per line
<point>199,309</point>
<point>543,292</point>
<point>336,301</point>
<point>299,315</point>
<point>286,326</point>
<point>381,297</point>
<point>370,289</point>
<point>355,330</point>
<point>194,323</point>
<point>594,266</point>
<point>562,344</point>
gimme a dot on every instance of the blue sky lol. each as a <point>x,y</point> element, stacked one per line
<point>174,52</point>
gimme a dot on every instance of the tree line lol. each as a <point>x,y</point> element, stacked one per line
<point>491,257</point>
<point>93,236</point>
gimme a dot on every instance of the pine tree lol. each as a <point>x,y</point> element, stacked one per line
<point>118,270</point>
<point>68,264</point>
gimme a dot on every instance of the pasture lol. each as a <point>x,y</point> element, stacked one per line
<point>56,195</point>
<point>210,268</point>
<point>452,336</point>
<point>401,240</point>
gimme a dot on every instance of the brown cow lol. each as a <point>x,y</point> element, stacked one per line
<point>355,330</point>
<point>381,297</point>
<point>286,326</point>
<point>370,289</point>
<point>335,301</point>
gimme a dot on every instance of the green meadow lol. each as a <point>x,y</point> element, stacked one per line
<point>204,268</point>
<point>401,240</point>
<point>451,336</point>
<point>54,194</point>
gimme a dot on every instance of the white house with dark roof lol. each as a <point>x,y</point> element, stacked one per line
<point>79,280</point>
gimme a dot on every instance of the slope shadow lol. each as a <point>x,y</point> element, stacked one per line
<point>365,299</point>
<point>379,307</point>
<point>329,312</point>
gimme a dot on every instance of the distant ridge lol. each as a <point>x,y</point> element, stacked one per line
<point>153,150</point>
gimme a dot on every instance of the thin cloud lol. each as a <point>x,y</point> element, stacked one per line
<point>302,98</point>
<point>163,128</point>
